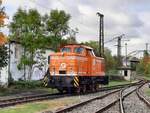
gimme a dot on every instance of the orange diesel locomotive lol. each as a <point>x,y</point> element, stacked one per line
<point>75,68</point>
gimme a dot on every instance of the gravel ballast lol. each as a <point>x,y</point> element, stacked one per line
<point>95,105</point>
<point>133,104</point>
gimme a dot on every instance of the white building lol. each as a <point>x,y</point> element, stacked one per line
<point>4,76</point>
<point>128,70</point>
<point>16,51</point>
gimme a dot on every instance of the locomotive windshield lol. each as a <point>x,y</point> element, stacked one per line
<point>78,50</point>
<point>66,49</point>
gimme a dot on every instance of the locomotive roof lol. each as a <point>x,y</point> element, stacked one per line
<point>79,45</point>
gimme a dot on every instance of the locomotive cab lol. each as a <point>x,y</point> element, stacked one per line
<point>76,68</point>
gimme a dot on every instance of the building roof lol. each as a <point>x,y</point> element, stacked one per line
<point>125,68</point>
<point>134,59</point>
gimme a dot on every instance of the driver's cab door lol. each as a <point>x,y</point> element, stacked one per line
<point>90,58</point>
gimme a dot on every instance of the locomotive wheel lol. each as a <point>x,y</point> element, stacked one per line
<point>78,90</point>
<point>84,89</point>
<point>97,87</point>
<point>92,88</point>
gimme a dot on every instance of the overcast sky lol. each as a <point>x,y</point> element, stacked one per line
<point>129,17</point>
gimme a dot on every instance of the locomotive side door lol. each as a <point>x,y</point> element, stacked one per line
<point>89,56</point>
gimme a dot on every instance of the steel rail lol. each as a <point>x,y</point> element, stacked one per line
<point>85,102</point>
<point>70,108</point>
<point>40,97</point>
<point>141,97</point>
<point>121,101</point>
<point>25,99</point>
<point>122,110</point>
<point>117,100</point>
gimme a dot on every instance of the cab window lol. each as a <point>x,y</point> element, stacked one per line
<point>66,49</point>
<point>91,53</point>
<point>79,50</point>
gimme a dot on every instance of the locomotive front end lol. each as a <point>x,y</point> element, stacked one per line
<point>63,70</point>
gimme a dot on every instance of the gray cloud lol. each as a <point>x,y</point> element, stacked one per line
<point>130,17</point>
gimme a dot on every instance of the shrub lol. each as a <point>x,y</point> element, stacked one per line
<point>27,84</point>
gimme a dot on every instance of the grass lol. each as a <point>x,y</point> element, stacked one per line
<point>146,77</point>
<point>38,107</point>
<point>113,83</point>
<point>12,91</point>
<point>147,91</point>
<point>18,87</point>
<point>28,108</point>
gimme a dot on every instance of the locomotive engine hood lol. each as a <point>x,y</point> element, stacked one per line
<point>76,60</point>
<point>62,64</point>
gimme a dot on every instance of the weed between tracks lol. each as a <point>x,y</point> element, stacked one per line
<point>147,91</point>
<point>28,108</point>
<point>117,82</point>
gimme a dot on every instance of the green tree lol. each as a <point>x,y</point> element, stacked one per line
<point>71,39</point>
<point>110,60</point>
<point>94,45</point>
<point>35,32</point>
<point>145,53</point>
<point>144,66</point>
<point>27,28</point>
<point>56,25</point>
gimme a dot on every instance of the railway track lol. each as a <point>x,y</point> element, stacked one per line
<point>39,97</point>
<point>86,105</point>
<point>119,100</point>
<point>97,104</point>
<point>139,98</point>
<point>25,99</point>
<point>124,96</point>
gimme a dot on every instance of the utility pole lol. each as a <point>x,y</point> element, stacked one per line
<point>101,34</point>
<point>126,52</point>
<point>102,24</point>
<point>147,47</point>
<point>119,49</point>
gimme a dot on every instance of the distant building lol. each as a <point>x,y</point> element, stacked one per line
<point>4,76</point>
<point>16,51</point>
<point>128,70</point>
